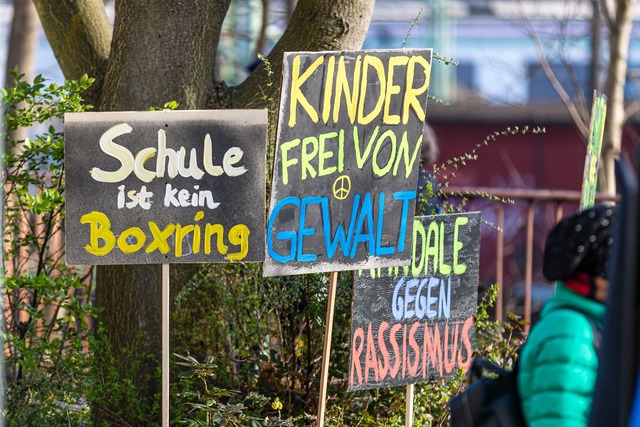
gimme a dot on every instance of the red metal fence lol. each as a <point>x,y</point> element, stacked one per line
<point>517,223</point>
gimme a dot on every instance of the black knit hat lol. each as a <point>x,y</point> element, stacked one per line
<point>580,243</point>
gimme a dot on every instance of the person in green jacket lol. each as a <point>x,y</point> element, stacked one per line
<point>559,362</point>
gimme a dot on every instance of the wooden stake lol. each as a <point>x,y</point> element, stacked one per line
<point>322,398</point>
<point>165,344</point>
<point>408,418</point>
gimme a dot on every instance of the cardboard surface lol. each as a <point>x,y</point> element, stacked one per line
<point>347,156</point>
<point>165,186</point>
<point>416,324</point>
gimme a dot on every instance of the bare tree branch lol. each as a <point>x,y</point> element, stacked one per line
<point>579,120</point>
<point>604,8</point>
<point>261,44</point>
<point>596,46</point>
<point>581,104</point>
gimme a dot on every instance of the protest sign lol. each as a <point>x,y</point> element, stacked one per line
<point>416,323</point>
<point>596,131</point>
<point>346,162</point>
<point>165,186</point>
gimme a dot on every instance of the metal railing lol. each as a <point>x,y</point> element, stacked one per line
<point>502,200</point>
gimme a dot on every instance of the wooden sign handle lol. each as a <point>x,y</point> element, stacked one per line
<point>408,418</point>
<point>322,398</point>
<point>165,345</point>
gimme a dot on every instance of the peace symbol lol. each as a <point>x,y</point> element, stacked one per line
<point>341,187</point>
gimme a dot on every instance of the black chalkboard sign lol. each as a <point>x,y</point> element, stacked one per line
<point>347,157</point>
<point>413,324</point>
<point>165,186</point>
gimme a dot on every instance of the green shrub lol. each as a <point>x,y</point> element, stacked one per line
<point>112,372</point>
<point>208,405</point>
<point>264,334</point>
<point>259,340</point>
<point>49,310</point>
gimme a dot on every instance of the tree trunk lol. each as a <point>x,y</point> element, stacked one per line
<point>132,301</point>
<point>596,48</point>
<point>165,51</point>
<point>614,89</point>
<point>291,5</point>
<point>22,48</point>
<point>619,34</point>
<point>22,40</point>
<point>79,33</point>
<point>132,298</point>
<point>316,25</point>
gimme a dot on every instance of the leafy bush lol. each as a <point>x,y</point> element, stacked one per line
<point>253,345</point>
<point>209,405</point>
<point>275,366</point>
<point>264,334</point>
<point>48,305</point>
<point>113,395</point>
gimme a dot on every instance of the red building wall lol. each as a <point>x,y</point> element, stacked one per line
<point>551,160</point>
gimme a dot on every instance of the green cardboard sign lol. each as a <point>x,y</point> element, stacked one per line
<point>596,130</point>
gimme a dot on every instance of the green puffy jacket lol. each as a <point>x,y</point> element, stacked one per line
<point>559,364</point>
